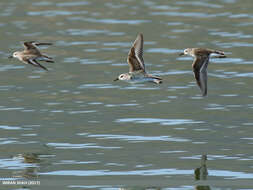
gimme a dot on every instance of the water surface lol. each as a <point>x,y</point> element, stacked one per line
<point>74,128</point>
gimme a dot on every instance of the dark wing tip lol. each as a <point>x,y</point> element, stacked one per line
<point>204,94</point>
<point>44,43</point>
<point>37,43</point>
<point>139,37</point>
<point>160,82</point>
<point>140,34</point>
<point>41,66</point>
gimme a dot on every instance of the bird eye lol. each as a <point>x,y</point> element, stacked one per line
<point>121,76</point>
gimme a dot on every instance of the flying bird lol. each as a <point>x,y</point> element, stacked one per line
<point>137,72</point>
<point>31,54</point>
<point>200,63</point>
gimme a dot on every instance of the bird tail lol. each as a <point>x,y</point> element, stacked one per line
<point>157,80</point>
<point>221,54</point>
<point>218,52</point>
<point>46,58</point>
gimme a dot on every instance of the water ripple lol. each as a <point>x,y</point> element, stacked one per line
<point>6,127</point>
<point>200,4</point>
<point>78,146</point>
<point>121,105</point>
<point>65,162</point>
<point>85,61</point>
<point>157,120</point>
<point>117,44</point>
<point>42,3</point>
<point>71,4</point>
<point>73,43</point>
<point>83,32</point>
<point>241,15</point>
<point>10,67</point>
<point>163,50</point>
<point>215,107</point>
<point>8,11</point>
<point>4,141</point>
<point>82,111</point>
<point>114,21</point>
<point>152,172</point>
<point>14,164</point>
<point>138,138</point>
<point>189,14</point>
<point>97,86</point>
<point>230,174</point>
<point>229,34</point>
<point>175,72</point>
<point>243,75</point>
<point>2,108</point>
<point>165,7</point>
<point>7,87</point>
<point>115,6</point>
<point>55,13</point>
<point>234,44</point>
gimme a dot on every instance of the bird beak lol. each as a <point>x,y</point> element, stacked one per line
<point>181,54</point>
<point>10,57</point>
<point>116,79</point>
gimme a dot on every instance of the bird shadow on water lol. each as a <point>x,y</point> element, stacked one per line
<point>30,162</point>
<point>200,174</point>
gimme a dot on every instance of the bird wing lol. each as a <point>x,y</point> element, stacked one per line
<point>200,72</point>
<point>32,44</point>
<point>29,45</point>
<point>42,44</point>
<point>36,64</point>
<point>197,173</point>
<point>135,59</point>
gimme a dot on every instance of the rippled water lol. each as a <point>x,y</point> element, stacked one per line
<point>74,128</point>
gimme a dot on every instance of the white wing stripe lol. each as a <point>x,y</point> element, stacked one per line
<point>34,63</point>
<point>204,65</point>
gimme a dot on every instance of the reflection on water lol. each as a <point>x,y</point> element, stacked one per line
<point>202,187</point>
<point>201,172</point>
<point>103,135</point>
<point>28,165</point>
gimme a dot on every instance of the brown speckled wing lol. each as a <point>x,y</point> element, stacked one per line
<point>135,59</point>
<point>200,72</point>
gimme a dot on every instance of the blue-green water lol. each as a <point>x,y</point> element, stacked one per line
<point>74,128</point>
